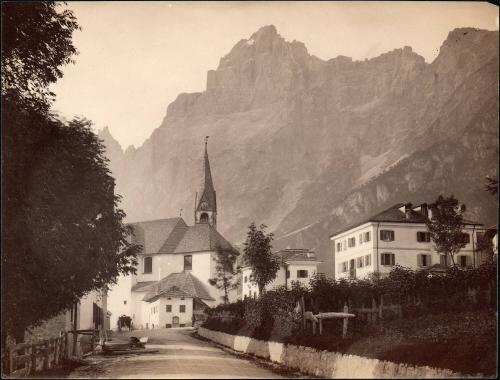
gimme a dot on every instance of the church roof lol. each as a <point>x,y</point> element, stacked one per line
<point>175,236</point>
<point>201,237</point>
<point>178,285</point>
<point>207,191</point>
<point>153,235</point>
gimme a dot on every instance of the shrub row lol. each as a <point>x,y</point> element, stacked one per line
<point>419,292</point>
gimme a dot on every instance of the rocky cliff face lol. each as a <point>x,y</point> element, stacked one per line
<point>306,145</point>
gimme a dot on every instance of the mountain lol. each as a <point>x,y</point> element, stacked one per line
<point>306,145</point>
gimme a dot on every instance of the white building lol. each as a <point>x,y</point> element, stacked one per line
<point>176,262</point>
<point>396,236</point>
<point>296,265</point>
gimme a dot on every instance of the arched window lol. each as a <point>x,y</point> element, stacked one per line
<point>204,218</point>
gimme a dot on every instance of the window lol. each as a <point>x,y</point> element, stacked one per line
<point>204,218</point>
<point>386,235</point>
<point>387,259</point>
<point>360,238</point>
<point>359,262</point>
<point>254,294</point>
<point>148,264</point>
<point>351,242</point>
<point>464,261</point>
<point>168,308</point>
<point>287,274</point>
<point>339,247</point>
<point>368,260</point>
<point>301,274</point>
<point>246,279</point>
<point>424,260</point>
<point>251,277</point>
<point>343,267</point>
<point>367,236</point>
<point>182,298</point>
<point>125,302</point>
<point>188,262</point>
<point>443,260</point>
<point>182,308</point>
<point>423,237</point>
<point>465,238</point>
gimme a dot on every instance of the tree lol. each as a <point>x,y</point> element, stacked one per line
<point>258,255</point>
<point>446,226</point>
<point>36,42</point>
<point>225,271</point>
<point>62,230</point>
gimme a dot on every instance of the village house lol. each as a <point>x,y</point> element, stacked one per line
<point>171,287</point>
<point>397,236</point>
<point>296,265</point>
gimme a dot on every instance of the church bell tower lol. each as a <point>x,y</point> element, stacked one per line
<point>205,210</point>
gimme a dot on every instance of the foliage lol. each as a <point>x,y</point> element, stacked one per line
<point>36,42</point>
<point>63,231</point>
<point>259,256</point>
<point>446,226</point>
<point>225,272</point>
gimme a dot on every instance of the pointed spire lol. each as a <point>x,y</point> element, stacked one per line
<point>205,198</point>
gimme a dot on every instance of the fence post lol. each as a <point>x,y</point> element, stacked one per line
<point>344,324</point>
<point>11,353</point>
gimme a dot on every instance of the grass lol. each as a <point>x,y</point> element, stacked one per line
<point>464,342</point>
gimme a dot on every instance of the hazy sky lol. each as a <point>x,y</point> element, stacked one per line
<point>135,58</point>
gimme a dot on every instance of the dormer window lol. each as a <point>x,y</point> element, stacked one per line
<point>204,218</point>
<point>188,262</point>
<point>148,265</point>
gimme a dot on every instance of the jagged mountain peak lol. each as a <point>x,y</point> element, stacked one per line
<point>297,141</point>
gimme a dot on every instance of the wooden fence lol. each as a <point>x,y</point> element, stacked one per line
<point>24,359</point>
<point>376,312</point>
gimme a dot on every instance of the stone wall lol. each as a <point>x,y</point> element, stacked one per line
<point>326,364</point>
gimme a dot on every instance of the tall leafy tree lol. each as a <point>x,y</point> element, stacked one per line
<point>36,42</point>
<point>257,253</point>
<point>62,230</point>
<point>446,226</point>
<point>225,271</point>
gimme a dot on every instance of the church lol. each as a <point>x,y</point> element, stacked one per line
<point>171,287</point>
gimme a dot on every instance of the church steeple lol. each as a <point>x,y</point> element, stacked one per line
<point>206,202</point>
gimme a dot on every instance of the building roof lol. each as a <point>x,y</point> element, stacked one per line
<point>175,236</point>
<point>287,256</point>
<point>291,255</point>
<point>142,286</point>
<point>178,285</point>
<point>152,235</point>
<point>395,215</point>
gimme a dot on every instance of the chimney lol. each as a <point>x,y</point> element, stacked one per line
<point>408,210</point>
<point>424,210</point>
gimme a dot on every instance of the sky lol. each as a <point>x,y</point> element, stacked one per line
<point>136,57</point>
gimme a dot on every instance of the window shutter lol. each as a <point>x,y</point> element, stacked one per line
<point>468,260</point>
<point>420,260</point>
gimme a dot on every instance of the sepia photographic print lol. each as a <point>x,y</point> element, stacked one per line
<point>249,189</point>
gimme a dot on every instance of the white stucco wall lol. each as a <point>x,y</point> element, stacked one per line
<point>405,247</point>
<point>116,297</point>
<point>86,309</point>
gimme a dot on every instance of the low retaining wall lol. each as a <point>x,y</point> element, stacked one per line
<point>323,363</point>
